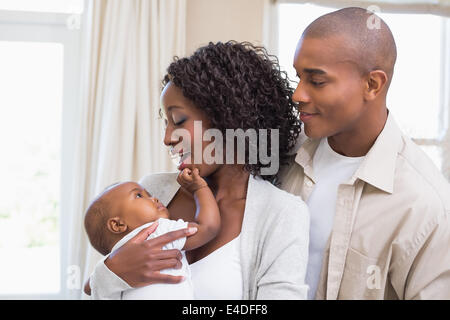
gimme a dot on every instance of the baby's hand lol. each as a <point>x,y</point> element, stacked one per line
<point>191,180</point>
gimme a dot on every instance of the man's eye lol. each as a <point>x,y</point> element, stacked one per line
<point>317,83</point>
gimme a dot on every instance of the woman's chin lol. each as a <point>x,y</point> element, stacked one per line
<point>183,166</point>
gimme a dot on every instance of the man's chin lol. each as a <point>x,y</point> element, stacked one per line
<point>314,134</point>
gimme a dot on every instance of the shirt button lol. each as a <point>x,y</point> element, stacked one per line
<point>309,183</point>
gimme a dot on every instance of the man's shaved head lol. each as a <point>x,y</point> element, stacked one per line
<point>369,43</point>
<point>345,63</point>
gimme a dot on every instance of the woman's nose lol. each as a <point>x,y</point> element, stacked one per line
<point>168,139</point>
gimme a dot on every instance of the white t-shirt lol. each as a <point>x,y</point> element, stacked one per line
<point>180,291</point>
<point>218,276</point>
<point>330,170</point>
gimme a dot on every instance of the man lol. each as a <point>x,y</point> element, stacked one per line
<point>380,210</point>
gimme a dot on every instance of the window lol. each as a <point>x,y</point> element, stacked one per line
<point>60,6</point>
<point>417,93</point>
<point>39,59</point>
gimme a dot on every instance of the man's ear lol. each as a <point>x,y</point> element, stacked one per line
<point>116,225</point>
<point>376,83</point>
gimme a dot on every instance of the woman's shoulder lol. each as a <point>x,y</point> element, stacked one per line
<point>159,177</point>
<point>280,202</point>
<point>161,185</point>
<point>273,218</point>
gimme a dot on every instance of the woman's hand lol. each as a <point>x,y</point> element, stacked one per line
<point>139,261</point>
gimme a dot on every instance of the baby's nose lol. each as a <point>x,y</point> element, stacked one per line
<point>155,200</point>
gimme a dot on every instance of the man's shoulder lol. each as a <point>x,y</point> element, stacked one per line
<point>302,137</point>
<point>417,174</point>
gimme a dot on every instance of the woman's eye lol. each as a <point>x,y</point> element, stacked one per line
<point>180,122</point>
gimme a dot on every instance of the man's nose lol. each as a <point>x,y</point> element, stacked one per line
<point>300,94</point>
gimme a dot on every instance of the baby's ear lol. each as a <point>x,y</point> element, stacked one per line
<point>116,225</point>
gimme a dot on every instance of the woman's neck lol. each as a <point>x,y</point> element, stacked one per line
<point>229,181</point>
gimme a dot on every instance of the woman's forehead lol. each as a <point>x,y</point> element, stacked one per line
<point>172,99</point>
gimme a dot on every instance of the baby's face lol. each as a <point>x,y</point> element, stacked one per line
<point>135,205</point>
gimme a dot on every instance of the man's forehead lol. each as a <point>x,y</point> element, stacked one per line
<point>322,54</point>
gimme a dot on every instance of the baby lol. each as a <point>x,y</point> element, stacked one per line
<point>124,209</point>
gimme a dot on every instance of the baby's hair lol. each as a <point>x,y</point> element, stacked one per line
<point>95,222</point>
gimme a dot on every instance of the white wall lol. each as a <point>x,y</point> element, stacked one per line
<point>222,20</point>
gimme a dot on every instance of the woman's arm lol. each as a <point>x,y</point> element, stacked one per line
<point>285,255</point>
<point>137,263</point>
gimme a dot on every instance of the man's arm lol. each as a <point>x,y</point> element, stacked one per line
<point>429,275</point>
<point>207,217</point>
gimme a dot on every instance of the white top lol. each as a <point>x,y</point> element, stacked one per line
<point>215,280</point>
<point>273,240</point>
<point>330,170</point>
<point>180,291</point>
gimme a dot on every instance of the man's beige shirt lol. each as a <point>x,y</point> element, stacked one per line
<point>391,232</point>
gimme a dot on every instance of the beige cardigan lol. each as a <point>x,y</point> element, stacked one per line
<point>274,242</point>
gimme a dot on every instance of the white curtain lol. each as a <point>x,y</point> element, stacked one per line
<point>437,7</point>
<point>128,46</point>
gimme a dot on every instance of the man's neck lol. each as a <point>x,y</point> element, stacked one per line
<point>357,141</point>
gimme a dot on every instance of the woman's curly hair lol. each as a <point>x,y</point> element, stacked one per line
<point>240,86</point>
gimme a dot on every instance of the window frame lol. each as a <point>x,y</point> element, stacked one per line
<point>23,26</point>
<point>444,111</point>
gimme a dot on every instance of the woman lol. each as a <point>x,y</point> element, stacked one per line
<point>261,249</point>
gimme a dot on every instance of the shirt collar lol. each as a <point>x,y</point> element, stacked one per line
<point>378,166</point>
<point>305,156</point>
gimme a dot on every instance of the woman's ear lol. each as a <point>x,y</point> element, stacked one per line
<point>116,225</point>
<point>376,83</point>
